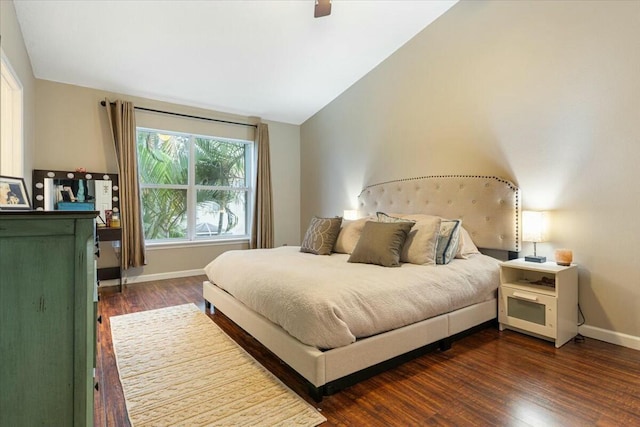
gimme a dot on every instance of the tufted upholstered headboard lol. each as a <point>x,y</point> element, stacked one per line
<point>488,206</point>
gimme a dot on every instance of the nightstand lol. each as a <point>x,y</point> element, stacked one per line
<point>539,299</point>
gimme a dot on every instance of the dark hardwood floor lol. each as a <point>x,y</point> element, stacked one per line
<point>490,378</point>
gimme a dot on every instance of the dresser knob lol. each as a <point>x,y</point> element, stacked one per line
<point>100,319</point>
<point>97,387</point>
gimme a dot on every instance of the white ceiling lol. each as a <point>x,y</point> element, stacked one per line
<point>268,58</point>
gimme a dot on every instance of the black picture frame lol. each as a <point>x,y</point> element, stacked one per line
<point>13,194</point>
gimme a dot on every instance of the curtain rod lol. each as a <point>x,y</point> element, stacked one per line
<point>151,110</point>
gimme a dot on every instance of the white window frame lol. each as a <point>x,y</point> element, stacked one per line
<point>11,120</point>
<point>192,189</point>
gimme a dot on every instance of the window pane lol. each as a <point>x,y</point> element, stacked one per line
<point>179,171</point>
<point>163,158</point>
<point>11,109</point>
<point>221,213</point>
<point>219,163</point>
<point>164,213</point>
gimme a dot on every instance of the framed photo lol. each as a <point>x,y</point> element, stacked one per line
<point>13,193</point>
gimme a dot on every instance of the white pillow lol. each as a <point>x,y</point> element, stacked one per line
<point>350,234</point>
<point>466,246</point>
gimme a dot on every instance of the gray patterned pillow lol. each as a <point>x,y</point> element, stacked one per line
<point>383,217</point>
<point>448,240</point>
<point>321,235</point>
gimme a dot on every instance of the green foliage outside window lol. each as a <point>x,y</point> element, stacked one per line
<point>219,185</point>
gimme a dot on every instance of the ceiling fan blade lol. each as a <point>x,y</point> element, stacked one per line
<point>322,8</point>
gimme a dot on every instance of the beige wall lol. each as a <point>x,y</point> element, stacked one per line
<point>546,94</point>
<point>13,46</point>
<point>285,179</point>
<point>72,132</point>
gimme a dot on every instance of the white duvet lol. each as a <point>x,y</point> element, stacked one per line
<point>326,302</point>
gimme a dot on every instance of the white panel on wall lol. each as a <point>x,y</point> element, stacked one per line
<point>103,197</point>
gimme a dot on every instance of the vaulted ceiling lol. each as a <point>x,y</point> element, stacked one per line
<point>263,58</point>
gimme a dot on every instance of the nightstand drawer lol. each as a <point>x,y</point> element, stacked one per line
<point>531,311</point>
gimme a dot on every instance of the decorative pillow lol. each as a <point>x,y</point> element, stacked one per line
<point>448,240</point>
<point>381,243</point>
<point>466,246</point>
<point>420,247</point>
<point>349,235</point>
<point>383,217</point>
<point>321,235</point>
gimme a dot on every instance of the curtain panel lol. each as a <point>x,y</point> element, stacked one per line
<point>122,123</point>
<point>262,224</point>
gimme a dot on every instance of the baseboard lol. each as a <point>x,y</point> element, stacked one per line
<point>128,280</point>
<point>609,336</point>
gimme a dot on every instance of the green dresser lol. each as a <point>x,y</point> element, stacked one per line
<point>47,318</point>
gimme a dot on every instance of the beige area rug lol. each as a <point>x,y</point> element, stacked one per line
<point>178,368</point>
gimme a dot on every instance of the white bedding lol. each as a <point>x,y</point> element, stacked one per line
<point>326,302</point>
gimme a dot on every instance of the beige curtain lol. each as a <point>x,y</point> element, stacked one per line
<point>262,229</point>
<point>123,130</point>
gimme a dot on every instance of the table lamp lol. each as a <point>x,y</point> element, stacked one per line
<point>534,229</point>
<point>351,214</point>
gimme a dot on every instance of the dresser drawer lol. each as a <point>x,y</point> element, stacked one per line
<point>19,228</point>
<point>531,311</point>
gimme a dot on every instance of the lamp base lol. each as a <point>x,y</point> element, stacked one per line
<point>535,258</point>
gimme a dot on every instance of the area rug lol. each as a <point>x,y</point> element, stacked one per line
<point>178,368</point>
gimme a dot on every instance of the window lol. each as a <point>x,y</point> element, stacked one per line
<point>193,187</point>
<point>11,142</point>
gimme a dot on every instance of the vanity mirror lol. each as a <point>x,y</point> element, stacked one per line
<point>72,190</point>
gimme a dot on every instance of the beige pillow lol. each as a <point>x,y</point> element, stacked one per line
<point>466,246</point>
<point>420,247</point>
<point>349,235</point>
<point>321,235</point>
<point>381,243</point>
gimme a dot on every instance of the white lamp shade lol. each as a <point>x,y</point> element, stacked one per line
<point>351,214</point>
<point>534,226</point>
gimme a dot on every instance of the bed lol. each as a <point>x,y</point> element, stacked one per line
<point>488,208</point>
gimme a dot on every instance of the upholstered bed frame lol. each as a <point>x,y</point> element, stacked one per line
<point>490,211</point>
